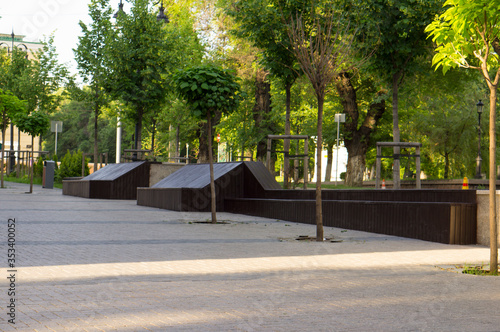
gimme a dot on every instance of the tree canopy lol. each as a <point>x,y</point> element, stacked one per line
<point>467,35</point>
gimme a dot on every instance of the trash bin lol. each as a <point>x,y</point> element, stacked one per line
<point>49,167</point>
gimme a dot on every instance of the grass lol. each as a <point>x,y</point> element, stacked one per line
<point>325,186</point>
<point>478,270</point>
<point>25,179</point>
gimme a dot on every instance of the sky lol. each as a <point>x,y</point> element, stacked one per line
<point>38,18</point>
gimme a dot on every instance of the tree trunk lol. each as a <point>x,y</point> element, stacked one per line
<point>446,165</point>
<point>32,163</point>
<point>3,153</point>
<point>286,142</point>
<point>355,165</point>
<point>211,162</point>
<point>492,184</point>
<point>18,164</point>
<point>395,130</point>
<point>329,162</point>
<point>203,157</point>
<point>153,136</point>
<point>138,134</point>
<point>261,108</point>
<point>319,203</point>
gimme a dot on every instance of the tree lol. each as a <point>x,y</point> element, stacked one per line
<point>208,90</point>
<point>397,29</point>
<point>323,49</point>
<point>35,124</point>
<point>140,62</point>
<point>10,107</point>
<point>259,21</point>
<point>359,129</point>
<point>89,55</point>
<point>467,35</point>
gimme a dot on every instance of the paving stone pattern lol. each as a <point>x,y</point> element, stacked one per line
<point>98,265</point>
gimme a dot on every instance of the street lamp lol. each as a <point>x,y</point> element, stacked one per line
<point>478,159</point>
<point>161,15</point>
<point>120,10</point>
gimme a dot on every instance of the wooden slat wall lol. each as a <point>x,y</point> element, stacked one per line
<point>123,187</point>
<point>422,195</point>
<point>419,220</point>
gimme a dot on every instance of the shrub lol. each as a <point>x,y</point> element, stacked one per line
<point>38,168</point>
<point>71,165</point>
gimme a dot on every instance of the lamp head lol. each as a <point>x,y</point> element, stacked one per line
<point>480,106</point>
<point>120,10</point>
<point>161,15</point>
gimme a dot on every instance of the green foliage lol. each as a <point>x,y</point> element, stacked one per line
<point>10,107</point>
<point>71,165</point>
<point>90,52</point>
<point>444,121</point>
<point>260,22</point>
<point>38,168</point>
<point>208,89</point>
<point>139,60</point>
<point>36,123</point>
<point>44,79</point>
<point>78,127</point>
<point>394,30</point>
<point>464,34</point>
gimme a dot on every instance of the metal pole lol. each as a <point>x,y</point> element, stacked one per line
<point>56,140</point>
<point>478,159</point>
<point>118,140</point>
<point>268,161</point>
<point>378,161</point>
<point>337,168</point>
<point>306,162</point>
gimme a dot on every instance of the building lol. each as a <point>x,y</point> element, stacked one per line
<point>9,41</point>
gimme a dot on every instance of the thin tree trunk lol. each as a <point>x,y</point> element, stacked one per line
<point>492,184</point>
<point>319,206</point>
<point>3,154</point>
<point>395,130</point>
<point>446,165</point>
<point>329,162</point>
<point>18,164</point>
<point>153,136</point>
<point>211,162</point>
<point>203,143</point>
<point>286,142</point>
<point>32,163</point>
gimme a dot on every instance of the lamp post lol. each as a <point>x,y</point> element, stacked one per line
<point>478,159</point>
<point>161,17</point>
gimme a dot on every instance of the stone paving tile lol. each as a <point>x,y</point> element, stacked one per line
<point>96,265</point>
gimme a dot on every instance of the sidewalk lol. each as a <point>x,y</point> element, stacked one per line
<point>98,265</point>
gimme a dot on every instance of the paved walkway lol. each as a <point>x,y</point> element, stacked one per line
<point>97,265</point>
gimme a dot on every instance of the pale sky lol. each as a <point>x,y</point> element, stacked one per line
<point>36,18</point>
